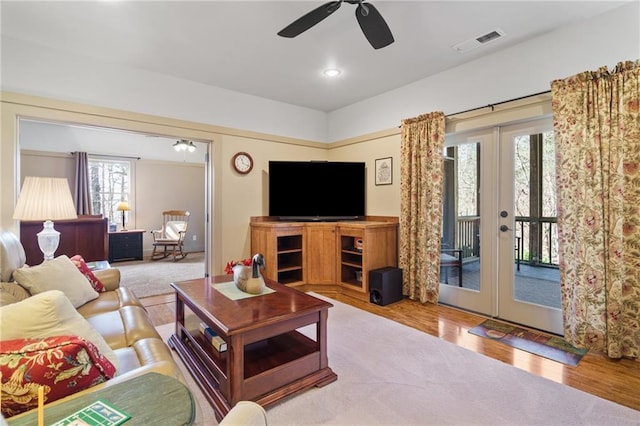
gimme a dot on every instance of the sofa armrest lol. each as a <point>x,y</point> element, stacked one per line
<point>246,413</point>
<point>110,278</point>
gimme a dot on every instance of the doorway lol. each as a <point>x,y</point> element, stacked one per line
<point>499,235</point>
<point>157,170</point>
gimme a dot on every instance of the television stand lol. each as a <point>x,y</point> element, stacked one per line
<point>317,218</point>
<point>339,253</point>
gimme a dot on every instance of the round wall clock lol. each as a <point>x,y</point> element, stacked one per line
<point>242,162</point>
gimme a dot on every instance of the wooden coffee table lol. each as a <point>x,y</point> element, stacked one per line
<point>266,359</point>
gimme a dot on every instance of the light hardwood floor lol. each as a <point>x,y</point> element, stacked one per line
<point>615,380</point>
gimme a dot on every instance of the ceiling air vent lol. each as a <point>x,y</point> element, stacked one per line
<point>471,44</point>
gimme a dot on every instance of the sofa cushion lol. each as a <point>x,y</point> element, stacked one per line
<point>86,271</point>
<point>12,293</point>
<point>152,353</point>
<point>110,301</point>
<point>124,327</point>
<point>56,274</point>
<point>49,314</point>
<point>62,365</point>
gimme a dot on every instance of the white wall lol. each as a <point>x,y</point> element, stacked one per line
<point>522,70</point>
<point>519,71</point>
<point>34,70</point>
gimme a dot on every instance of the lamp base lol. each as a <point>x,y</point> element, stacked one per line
<point>48,240</point>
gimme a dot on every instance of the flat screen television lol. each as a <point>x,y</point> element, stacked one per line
<point>316,190</point>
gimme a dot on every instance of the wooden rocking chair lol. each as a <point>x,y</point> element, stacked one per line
<point>170,239</point>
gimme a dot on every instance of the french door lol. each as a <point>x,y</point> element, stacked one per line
<point>499,234</point>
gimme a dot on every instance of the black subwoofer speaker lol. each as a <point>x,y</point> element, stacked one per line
<point>385,285</point>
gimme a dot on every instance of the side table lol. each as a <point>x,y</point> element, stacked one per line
<point>98,265</point>
<point>149,399</point>
<point>125,245</point>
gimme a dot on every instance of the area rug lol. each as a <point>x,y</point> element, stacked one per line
<point>391,374</point>
<point>551,347</point>
<point>154,277</point>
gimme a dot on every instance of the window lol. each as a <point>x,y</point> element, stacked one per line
<point>110,183</point>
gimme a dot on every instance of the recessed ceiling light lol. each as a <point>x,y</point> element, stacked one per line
<point>332,72</point>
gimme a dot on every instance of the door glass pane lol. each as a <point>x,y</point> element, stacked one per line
<point>536,277</point>
<point>548,175</point>
<point>460,250</point>
<point>521,175</point>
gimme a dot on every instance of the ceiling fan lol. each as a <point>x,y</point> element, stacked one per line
<point>373,26</point>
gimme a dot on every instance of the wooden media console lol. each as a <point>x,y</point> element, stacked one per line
<point>326,253</point>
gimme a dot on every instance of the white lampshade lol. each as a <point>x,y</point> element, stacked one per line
<point>46,199</point>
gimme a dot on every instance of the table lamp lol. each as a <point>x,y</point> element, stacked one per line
<point>123,206</point>
<point>46,199</point>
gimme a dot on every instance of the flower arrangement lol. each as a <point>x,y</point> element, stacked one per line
<point>229,268</point>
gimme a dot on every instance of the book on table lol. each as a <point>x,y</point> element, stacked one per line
<point>213,338</point>
<point>100,413</point>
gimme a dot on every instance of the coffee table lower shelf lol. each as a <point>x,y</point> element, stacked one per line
<point>266,381</point>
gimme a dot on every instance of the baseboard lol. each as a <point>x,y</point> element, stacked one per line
<point>333,289</point>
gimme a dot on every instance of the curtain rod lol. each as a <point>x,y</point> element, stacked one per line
<point>110,156</point>
<point>492,106</point>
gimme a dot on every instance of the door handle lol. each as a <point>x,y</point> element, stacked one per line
<point>505,228</point>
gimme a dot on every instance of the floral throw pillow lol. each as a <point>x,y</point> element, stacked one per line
<point>62,365</point>
<point>82,267</point>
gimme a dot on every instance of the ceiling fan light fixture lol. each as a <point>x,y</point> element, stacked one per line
<point>184,145</point>
<point>332,72</point>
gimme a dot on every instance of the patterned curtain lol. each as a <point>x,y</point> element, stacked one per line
<point>597,132</point>
<point>421,176</point>
<point>81,188</point>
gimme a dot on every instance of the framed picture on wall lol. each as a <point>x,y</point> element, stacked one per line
<point>384,171</point>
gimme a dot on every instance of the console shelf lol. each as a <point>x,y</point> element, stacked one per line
<point>283,248</point>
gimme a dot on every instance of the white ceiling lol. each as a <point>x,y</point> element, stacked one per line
<point>233,44</point>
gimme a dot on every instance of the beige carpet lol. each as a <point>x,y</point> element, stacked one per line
<point>390,374</point>
<point>153,277</point>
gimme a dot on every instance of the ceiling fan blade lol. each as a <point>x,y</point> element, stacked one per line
<point>307,21</point>
<point>373,26</point>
